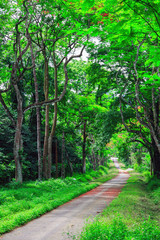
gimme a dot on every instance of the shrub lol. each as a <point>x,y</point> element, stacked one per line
<point>104,169</point>
<point>93,174</point>
<point>88,177</point>
<point>156,196</point>
<point>137,167</point>
<point>153,183</point>
<point>118,230</point>
<point>147,176</point>
<point>146,231</point>
<point>101,172</point>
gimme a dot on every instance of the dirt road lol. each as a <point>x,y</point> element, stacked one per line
<point>70,217</point>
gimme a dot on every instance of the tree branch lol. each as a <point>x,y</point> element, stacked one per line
<point>10,116</point>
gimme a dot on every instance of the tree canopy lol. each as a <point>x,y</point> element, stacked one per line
<point>59,111</point>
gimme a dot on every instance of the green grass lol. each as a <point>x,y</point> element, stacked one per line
<point>133,215</point>
<point>21,203</point>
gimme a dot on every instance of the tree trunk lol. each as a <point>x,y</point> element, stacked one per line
<point>39,143</point>
<point>84,148</point>
<point>62,158</point>
<point>94,160</point>
<point>37,114</point>
<point>53,127</point>
<point>155,160</point>
<point>151,167</point>
<point>45,144</point>
<point>18,144</point>
<point>56,158</point>
<point>69,163</point>
<point>98,160</point>
<point>103,160</point>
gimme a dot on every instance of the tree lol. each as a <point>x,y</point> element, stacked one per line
<point>27,35</point>
<point>131,57</point>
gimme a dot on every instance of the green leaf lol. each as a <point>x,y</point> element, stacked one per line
<point>88,4</point>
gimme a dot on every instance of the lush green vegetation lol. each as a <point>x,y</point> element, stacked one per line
<point>134,214</point>
<point>61,115</point>
<point>58,111</point>
<point>20,203</point>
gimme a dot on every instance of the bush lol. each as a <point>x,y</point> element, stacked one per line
<point>147,176</point>
<point>146,231</point>
<point>13,184</point>
<point>137,167</point>
<point>153,183</point>
<point>101,231</point>
<point>88,177</point>
<point>156,196</point>
<point>118,230</point>
<point>93,174</point>
<point>104,169</point>
<point>7,168</point>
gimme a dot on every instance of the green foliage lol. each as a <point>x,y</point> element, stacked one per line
<point>22,203</point>
<point>100,230</point>
<point>104,169</point>
<point>142,165</point>
<point>153,183</point>
<point>120,146</point>
<point>156,195</point>
<point>147,175</point>
<point>7,168</point>
<point>117,230</point>
<point>88,4</point>
<point>89,175</point>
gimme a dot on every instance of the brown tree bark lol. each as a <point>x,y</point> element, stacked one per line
<point>46,92</point>
<point>69,163</point>
<point>50,139</point>
<point>62,157</point>
<point>94,160</point>
<point>10,116</point>
<point>37,109</point>
<point>155,159</point>
<point>18,143</point>
<point>56,158</point>
<point>84,148</point>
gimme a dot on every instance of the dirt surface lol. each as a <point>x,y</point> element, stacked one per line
<point>70,217</point>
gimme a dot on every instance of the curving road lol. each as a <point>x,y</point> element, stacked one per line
<point>70,217</point>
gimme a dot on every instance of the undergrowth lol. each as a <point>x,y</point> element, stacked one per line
<point>20,203</point>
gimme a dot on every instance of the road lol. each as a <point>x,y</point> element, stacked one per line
<point>70,217</point>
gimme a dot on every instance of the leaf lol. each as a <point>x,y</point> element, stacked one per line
<point>88,4</point>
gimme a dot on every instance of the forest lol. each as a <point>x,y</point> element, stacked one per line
<point>79,83</point>
<point>80,86</point>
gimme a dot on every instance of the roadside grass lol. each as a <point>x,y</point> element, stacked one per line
<point>20,203</point>
<point>133,215</point>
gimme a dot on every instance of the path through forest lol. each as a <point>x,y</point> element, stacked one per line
<point>70,217</point>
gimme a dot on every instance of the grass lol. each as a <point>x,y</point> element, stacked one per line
<point>133,215</point>
<point>20,203</point>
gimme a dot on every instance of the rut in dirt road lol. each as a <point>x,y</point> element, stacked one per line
<point>70,217</point>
